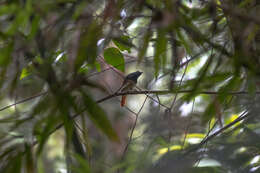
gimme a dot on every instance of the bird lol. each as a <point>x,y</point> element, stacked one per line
<point>129,82</point>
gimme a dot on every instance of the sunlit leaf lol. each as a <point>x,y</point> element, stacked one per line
<point>231,119</point>
<point>171,148</point>
<point>25,73</point>
<point>195,135</point>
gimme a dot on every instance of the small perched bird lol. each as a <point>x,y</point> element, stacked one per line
<point>128,84</point>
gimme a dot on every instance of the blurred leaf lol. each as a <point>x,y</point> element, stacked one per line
<point>232,85</point>
<point>216,169</point>
<point>87,51</point>
<point>209,113</point>
<point>171,148</point>
<point>34,26</point>
<point>196,85</point>
<point>25,73</point>
<point>83,166</point>
<point>184,42</point>
<point>77,142</point>
<point>160,50</point>
<point>144,46</point>
<point>47,125</point>
<point>79,9</point>
<point>85,137</point>
<point>123,43</point>
<point>231,119</point>
<point>195,135</point>
<point>115,58</point>
<point>40,165</point>
<point>98,67</point>
<point>93,84</point>
<point>14,164</point>
<point>29,159</point>
<point>20,21</point>
<point>8,9</point>
<point>5,54</point>
<point>84,69</point>
<point>98,116</point>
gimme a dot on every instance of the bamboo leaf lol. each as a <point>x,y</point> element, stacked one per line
<point>99,118</point>
<point>160,50</point>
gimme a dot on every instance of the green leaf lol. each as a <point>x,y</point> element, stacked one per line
<point>14,164</point>
<point>123,43</point>
<point>144,46</point>
<point>184,41</point>
<point>29,159</point>
<point>160,50</point>
<point>47,124</point>
<point>206,169</point>
<point>83,165</point>
<point>115,58</point>
<point>88,49</point>
<point>98,67</point>
<point>25,73</point>
<point>5,54</point>
<point>99,118</point>
<point>34,26</point>
<point>20,22</point>
<point>208,113</point>
<point>7,9</point>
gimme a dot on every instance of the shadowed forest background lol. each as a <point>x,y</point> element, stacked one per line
<point>194,109</point>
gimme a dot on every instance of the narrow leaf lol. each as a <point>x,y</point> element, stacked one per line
<point>144,46</point>
<point>5,54</point>
<point>98,116</point>
<point>160,50</point>
<point>87,51</point>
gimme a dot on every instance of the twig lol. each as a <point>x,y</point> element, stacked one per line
<point>210,137</point>
<point>24,100</point>
<point>188,126</point>
<point>182,77</point>
<point>132,131</point>
<point>160,92</point>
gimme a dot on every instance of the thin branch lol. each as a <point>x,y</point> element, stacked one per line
<point>92,74</point>
<point>188,125</point>
<point>132,131</point>
<point>24,100</point>
<point>161,92</point>
<point>243,116</point>
<point>158,92</point>
<point>182,77</point>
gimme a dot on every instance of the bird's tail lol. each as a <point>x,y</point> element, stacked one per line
<point>123,100</point>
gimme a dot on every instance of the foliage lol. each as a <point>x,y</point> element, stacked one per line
<point>196,105</point>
